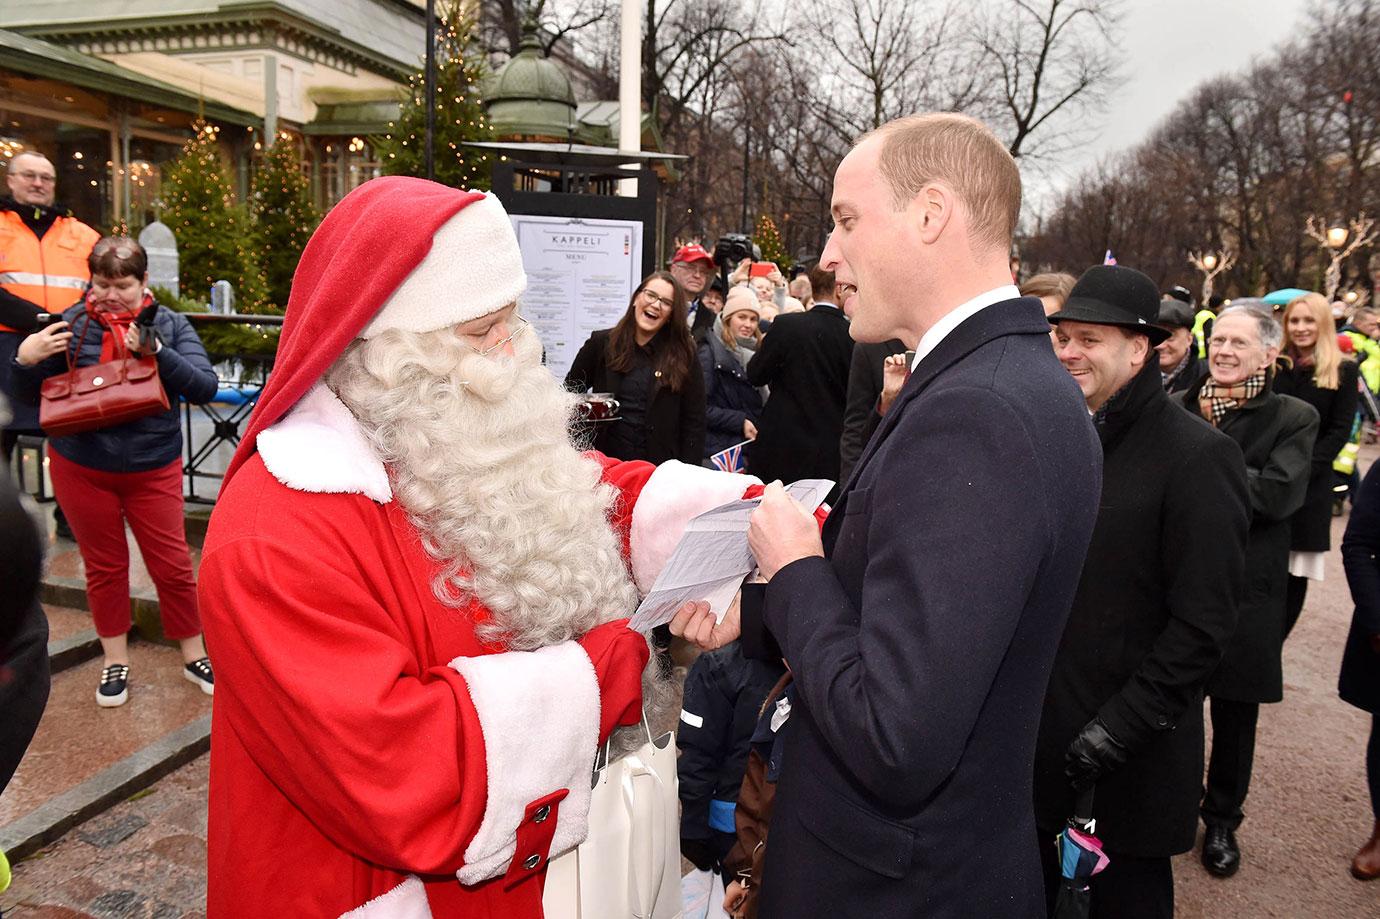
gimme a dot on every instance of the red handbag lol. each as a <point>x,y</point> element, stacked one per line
<point>101,395</point>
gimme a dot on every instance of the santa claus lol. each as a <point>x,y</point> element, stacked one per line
<point>415,585</point>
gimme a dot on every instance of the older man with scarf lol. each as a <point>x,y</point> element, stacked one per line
<point>1276,435</point>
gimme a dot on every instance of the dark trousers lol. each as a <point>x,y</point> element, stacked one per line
<point>1128,888</point>
<point>1373,765</point>
<point>1229,766</point>
<point>1294,596</point>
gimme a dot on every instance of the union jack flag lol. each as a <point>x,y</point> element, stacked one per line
<point>730,460</point>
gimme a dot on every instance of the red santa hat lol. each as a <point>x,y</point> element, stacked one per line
<point>395,253</point>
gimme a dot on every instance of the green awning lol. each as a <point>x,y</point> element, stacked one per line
<point>54,62</point>
<point>348,118</point>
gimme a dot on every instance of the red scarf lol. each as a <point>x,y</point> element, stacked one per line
<point>116,322</point>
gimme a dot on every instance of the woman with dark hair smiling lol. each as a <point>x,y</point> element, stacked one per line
<point>129,472</point>
<point>648,363</point>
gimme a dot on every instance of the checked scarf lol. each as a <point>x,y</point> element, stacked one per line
<point>1216,400</point>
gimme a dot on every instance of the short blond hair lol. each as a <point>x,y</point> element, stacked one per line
<point>962,153</point>
<point>1056,285</point>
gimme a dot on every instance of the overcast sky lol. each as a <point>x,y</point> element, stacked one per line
<point>1168,47</point>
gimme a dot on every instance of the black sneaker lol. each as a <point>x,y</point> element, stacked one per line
<point>199,673</point>
<point>114,688</point>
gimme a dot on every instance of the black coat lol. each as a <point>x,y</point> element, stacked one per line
<point>1191,376</point>
<point>24,676</point>
<point>1156,603</point>
<point>729,399</point>
<point>921,644</point>
<point>1359,683</point>
<point>724,692</point>
<point>1312,524</point>
<point>675,420</point>
<point>804,359</point>
<point>860,415</point>
<point>1275,434</point>
<point>701,322</point>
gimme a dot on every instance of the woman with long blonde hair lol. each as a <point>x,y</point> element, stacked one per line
<point>1319,374</point>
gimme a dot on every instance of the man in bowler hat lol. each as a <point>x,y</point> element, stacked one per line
<point>1156,601</point>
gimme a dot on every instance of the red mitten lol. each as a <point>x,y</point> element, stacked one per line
<point>619,656</point>
<point>755,491</point>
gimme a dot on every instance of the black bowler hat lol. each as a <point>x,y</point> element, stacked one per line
<point>1115,295</point>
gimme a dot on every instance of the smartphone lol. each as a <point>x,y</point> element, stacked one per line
<point>761,269</point>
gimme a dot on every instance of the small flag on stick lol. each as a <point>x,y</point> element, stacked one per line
<point>731,460</point>
<point>1109,259</point>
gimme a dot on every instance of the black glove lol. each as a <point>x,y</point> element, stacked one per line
<point>1095,752</point>
<point>699,852</point>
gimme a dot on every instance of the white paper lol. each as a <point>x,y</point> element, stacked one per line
<point>712,558</point>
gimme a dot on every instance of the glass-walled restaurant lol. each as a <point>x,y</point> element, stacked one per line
<point>109,131</point>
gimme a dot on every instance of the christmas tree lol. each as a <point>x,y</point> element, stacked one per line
<point>283,209</point>
<point>768,239</point>
<point>215,235</point>
<point>460,115</point>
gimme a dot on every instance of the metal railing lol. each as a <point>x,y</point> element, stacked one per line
<point>204,444</point>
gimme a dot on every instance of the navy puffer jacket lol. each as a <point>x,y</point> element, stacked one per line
<point>146,443</point>
<point>728,396</point>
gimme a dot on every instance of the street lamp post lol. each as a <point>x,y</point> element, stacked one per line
<point>1339,242</point>
<point>1211,264</point>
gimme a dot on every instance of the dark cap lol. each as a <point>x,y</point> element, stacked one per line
<point>1175,314</point>
<point>1115,295</point>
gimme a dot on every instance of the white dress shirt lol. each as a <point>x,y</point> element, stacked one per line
<point>955,317</point>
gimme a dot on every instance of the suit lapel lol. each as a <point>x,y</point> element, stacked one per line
<point>1022,316</point>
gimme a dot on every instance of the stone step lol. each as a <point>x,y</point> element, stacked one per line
<point>71,638</point>
<point>84,758</point>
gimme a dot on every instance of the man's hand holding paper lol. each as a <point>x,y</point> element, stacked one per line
<point>781,531</point>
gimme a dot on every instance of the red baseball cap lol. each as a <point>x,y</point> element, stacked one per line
<point>692,253</point>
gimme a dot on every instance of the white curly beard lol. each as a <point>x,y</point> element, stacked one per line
<point>479,453</point>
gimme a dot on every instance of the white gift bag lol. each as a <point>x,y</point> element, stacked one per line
<point>629,864</point>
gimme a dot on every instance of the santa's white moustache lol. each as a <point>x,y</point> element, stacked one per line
<point>479,452</point>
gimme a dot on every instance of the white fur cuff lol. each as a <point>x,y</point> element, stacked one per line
<point>539,711</point>
<point>406,901</point>
<point>674,494</point>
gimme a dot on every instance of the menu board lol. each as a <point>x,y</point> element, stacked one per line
<point>580,277</point>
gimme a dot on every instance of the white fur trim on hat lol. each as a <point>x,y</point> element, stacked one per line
<point>474,268</point>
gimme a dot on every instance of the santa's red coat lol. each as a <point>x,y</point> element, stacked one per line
<point>351,770</point>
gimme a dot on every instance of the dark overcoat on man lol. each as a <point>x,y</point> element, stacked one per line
<point>860,415</point>
<point>1155,605</point>
<point>1359,682</point>
<point>1275,434</point>
<point>921,643</point>
<point>804,359</point>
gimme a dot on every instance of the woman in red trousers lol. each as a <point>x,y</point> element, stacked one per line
<point>126,473</point>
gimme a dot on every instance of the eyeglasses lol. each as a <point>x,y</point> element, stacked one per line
<point>652,296</point>
<point>46,178</point>
<point>519,324</point>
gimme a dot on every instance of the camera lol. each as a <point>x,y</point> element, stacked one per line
<point>732,248</point>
